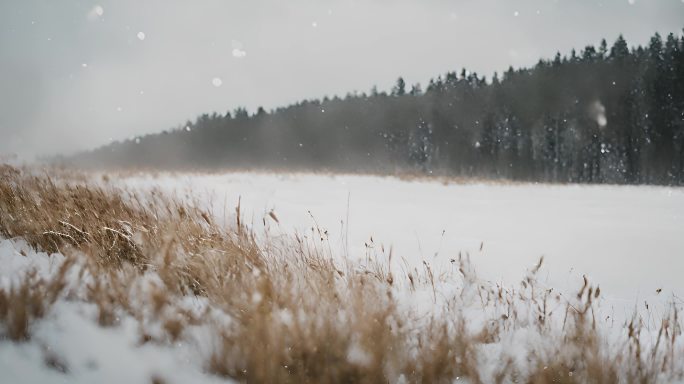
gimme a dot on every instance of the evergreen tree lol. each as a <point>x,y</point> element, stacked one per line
<point>607,115</point>
<point>400,88</point>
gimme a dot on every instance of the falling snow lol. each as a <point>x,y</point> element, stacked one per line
<point>95,13</point>
<point>239,53</point>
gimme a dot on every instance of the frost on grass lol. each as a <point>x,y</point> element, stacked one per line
<point>101,284</point>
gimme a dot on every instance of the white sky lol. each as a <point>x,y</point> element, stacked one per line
<point>76,74</point>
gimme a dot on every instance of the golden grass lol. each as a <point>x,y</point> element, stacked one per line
<point>295,315</point>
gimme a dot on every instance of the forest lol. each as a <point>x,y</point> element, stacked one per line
<point>606,114</point>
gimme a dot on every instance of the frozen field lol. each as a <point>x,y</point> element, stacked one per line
<point>630,240</point>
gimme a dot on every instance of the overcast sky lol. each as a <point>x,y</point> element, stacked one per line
<point>76,74</point>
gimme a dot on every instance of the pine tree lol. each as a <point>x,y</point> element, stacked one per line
<point>400,88</point>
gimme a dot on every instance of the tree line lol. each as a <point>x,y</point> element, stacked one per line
<point>602,115</point>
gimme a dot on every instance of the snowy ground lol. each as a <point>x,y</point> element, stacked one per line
<point>68,346</point>
<point>630,240</point>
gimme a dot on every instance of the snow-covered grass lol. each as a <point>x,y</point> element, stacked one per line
<point>68,345</point>
<point>107,284</point>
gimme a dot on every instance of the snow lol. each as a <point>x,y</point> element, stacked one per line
<point>93,353</point>
<point>238,53</point>
<point>627,239</point>
<point>598,111</point>
<point>95,13</point>
<point>89,353</point>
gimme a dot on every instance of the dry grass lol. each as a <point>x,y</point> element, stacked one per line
<point>30,300</point>
<point>286,312</point>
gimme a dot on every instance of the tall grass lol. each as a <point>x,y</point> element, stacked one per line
<point>284,310</point>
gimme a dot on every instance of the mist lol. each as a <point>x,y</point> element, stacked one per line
<point>75,75</point>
